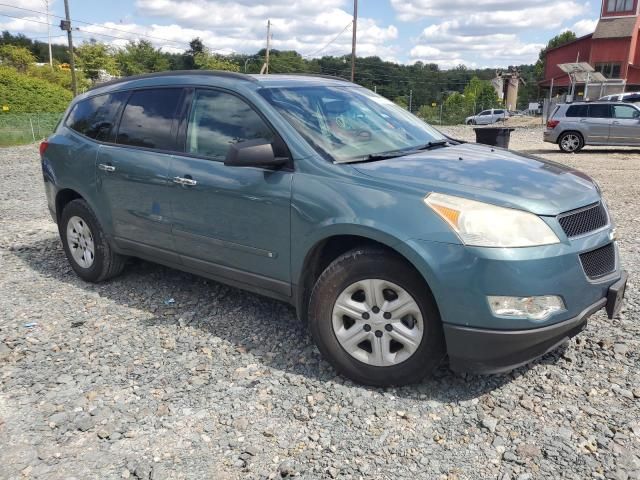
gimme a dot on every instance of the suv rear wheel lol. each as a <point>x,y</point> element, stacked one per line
<point>85,244</point>
<point>374,319</point>
<point>571,142</point>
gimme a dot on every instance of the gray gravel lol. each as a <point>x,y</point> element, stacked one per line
<point>116,381</point>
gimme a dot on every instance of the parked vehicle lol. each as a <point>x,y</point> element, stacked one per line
<point>487,117</point>
<point>629,97</point>
<point>396,244</point>
<point>572,126</point>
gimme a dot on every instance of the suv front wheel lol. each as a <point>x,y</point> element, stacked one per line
<point>375,320</point>
<point>571,142</point>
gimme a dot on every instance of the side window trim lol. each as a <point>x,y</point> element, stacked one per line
<point>116,125</point>
<point>182,139</point>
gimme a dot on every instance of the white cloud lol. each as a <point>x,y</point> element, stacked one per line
<point>419,9</point>
<point>484,32</point>
<point>584,27</point>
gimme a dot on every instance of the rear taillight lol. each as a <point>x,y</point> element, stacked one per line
<point>551,124</point>
<point>43,147</point>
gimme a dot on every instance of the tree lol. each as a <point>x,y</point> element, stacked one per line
<point>92,57</point>
<point>196,46</point>
<point>17,57</point>
<point>480,94</point>
<point>208,61</point>
<point>557,41</point>
<point>141,57</point>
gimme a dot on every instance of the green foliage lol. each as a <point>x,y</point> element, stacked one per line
<point>40,50</point>
<point>141,57</point>
<point>207,61</point>
<point>287,61</point>
<point>480,94</point>
<point>557,41</point>
<point>23,93</point>
<point>91,57</point>
<point>58,76</point>
<point>401,102</point>
<point>17,57</point>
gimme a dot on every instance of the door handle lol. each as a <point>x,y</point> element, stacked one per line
<point>189,182</point>
<point>106,168</point>
<point>616,123</point>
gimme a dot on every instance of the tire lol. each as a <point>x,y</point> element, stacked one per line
<point>571,142</point>
<point>471,122</point>
<point>79,230</point>
<point>411,361</point>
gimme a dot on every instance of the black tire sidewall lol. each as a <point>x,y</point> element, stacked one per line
<point>361,265</point>
<point>79,208</point>
<point>580,146</point>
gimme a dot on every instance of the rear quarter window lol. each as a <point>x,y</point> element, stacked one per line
<point>95,117</point>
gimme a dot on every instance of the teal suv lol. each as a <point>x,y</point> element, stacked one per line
<point>396,244</point>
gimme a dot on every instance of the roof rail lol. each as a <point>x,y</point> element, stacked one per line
<point>170,73</point>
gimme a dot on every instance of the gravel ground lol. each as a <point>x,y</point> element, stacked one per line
<point>119,381</point>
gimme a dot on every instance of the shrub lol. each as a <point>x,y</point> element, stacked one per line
<point>23,93</point>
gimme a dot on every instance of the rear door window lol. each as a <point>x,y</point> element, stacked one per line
<point>600,111</point>
<point>96,116</point>
<point>578,111</point>
<point>219,120</point>
<point>148,118</point>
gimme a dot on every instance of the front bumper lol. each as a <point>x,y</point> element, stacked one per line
<point>485,351</point>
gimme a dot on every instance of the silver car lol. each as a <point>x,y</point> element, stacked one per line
<point>629,97</point>
<point>572,126</point>
<point>487,117</point>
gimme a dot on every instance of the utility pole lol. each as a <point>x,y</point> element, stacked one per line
<point>410,99</point>
<point>46,2</point>
<point>353,40</point>
<point>66,25</point>
<point>266,70</point>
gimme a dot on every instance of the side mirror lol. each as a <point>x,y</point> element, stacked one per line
<point>253,153</point>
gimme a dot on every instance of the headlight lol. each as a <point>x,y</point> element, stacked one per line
<point>484,225</point>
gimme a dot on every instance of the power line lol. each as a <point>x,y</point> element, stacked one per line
<point>329,43</point>
<point>137,34</point>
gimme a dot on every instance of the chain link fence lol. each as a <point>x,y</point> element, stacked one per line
<point>443,114</point>
<point>22,128</point>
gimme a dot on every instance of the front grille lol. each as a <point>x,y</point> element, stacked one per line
<point>600,262</point>
<point>584,220</point>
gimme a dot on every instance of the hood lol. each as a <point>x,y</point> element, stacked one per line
<point>491,175</point>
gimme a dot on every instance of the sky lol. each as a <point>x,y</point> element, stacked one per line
<point>476,33</point>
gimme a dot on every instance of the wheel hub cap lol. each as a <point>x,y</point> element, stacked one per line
<point>80,242</point>
<point>377,322</point>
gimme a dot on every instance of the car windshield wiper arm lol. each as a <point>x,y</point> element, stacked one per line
<point>396,153</point>
<point>377,156</point>
<point>436,144</point>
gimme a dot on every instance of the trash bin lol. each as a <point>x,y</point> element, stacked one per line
<point>496,137</point>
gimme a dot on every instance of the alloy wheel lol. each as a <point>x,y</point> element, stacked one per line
<point>570,142</point>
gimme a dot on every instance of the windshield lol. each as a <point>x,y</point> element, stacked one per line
<point>350,123</point>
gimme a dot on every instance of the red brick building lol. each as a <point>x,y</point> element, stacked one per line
<point>612,49</point>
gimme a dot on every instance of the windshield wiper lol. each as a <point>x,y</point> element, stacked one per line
<point>376,156</point>
<point>436,144</point>
<point>396,153</point>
